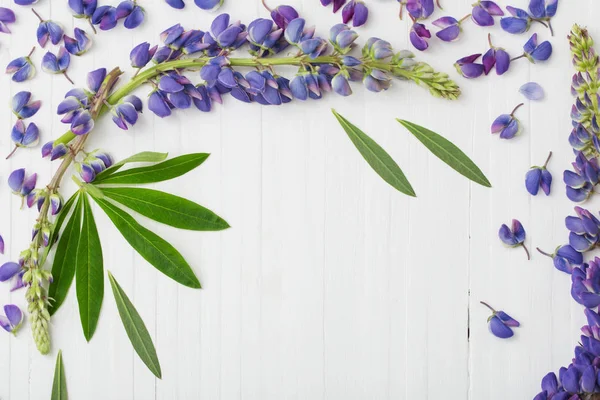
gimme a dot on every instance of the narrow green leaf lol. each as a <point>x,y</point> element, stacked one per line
<point>377,157</point>
<point>89,272</point>
<point>135,328</point>
<point>59,386</point>
<point>447,152</point>
<point>167,208</point>
<point>144,156</point>
<point>65,259</point>
<point>157,251</point>
<point>157,173</point>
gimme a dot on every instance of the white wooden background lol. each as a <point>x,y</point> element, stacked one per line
<point>330,284</point>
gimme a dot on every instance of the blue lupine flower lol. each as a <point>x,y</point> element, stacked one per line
<point>538,177</point>
<point>83,8</point>
<point>495,56</point>
<point>295,32</point>
<point>21,68</point>
<point>86,172</point>
<point>47,149</point>
<point>126,112</point>
<point>48,30</point>
<point>468,68</point>
<point>93,164</point>
<point>9,270</point>
<point>78,45</point>
<point>7,16</point>
<point>24,135</point>
<point>450,28</point>
<point>58,151</point>
<point>283,15</point>
<point>264,39</point>
<point>584,230</point>
<point>514,236</point>
<point>420,9</point>
<point>95,79</point>
<point>57,64</point>
<point>179,90</point>
<point>133,14</point>
<point>22,107</point>
<point>500,323</point>
<point>340,83</point>
<point>418,36</point>
<point>543,10</point>
<point>82,123</point>
<point>226,35</point>
<point>337,4</point>
<point>342,38</point>
<point>355,11</point>
<point>532,91</point>
<point>21,184</point>
<point>105,17</point>
<point>535,52</point>
<point>377,81</point>
<point>565,258</point>
<point>210,5</point>
<point>507,125</point>
<point>13,319</point>
<point>585,284</point>
<point>519,22</point>
<point>377,49</point>
<point>581,182</point>
<point>484,11</point>
<point>159,104</point>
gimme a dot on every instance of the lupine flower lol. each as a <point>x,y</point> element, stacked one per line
<point>1,245</point>
<point>584,230</point>
<point>84,9</point>
<point>585,284</point>
<point>9,270</point>
<point>7,16</point>
<point>58,151</point>
<point>83,123</point>
<point>450,28</point>
<point>133,14</point>
<point>179,90</point>
<point>105,17</point>
<point>337,4</point>
<point>355,11</point>
<point>56,203</point>
<point>377,49</point>
<point>565,258</point>
<point>226,35</point>
<point>484,12</point>
<point>419,9</point>
<point>159,104</point>
<point>13,319</point>
<point>581,182</point>
<point>507,125</point>
<point>47,149</point>
<point>92,165</point>
<point>126,111</point>
<point>468,68</point>
<point>22,107</point>
<point>495,56</point>
<point>538,177</point>
<point>48,30</point>
<point>95,79</point>
<point>418,36</point>
<point>500,323</point>
<point>519,22</point>
<point>263,39</point>
<point>21,184</point>
<point>342,38</point>
<point>21,68</point>
<point>283,15</point>
<point>543,10</point>
<point>210,5</point>
<point>78,45</point>
<point>535,52</point>
<point>54,64</point>
<point>514,236</point>
<point>532,91</point>
<point>24,135</point>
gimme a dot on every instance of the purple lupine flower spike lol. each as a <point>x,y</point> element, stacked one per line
<point>48,31</point>
<point>13,319</point>
<point>514,236</point>
<point>451,28</point>
<point>419,35</point>
<point>483,12</point>
<point>507,125</point>
<point>468,68</point>
<point>22,107</point>
<point>7,16</point>
<point>538,177</point>
<point>565,258</point>
<point>57,64</point>
<point>21,68</point>
<point>500,323</point>
<point>79,44</point>
<point>495,57</point>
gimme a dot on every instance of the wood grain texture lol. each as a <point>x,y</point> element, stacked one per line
<point>330,284</point>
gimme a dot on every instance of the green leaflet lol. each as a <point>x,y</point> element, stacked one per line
<point>65,259</point>
<point>135,328</point>
<point>156,173</point>
<point>377,157</point>
<point>144,156</point>
<point>59,386</point>
<point>89,272</point>
<point>167,208</point>
<point>157,251</point>
<point>447,152</point>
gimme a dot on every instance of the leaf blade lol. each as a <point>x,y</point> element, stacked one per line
<point>167,208</point>
<point>448,152</point>
<point>381,162</point>
<point>154,249</point>
<point>89,273</point>
<point>59,384</point>
<point>135,328</point>
<point>144,156</point>
<point>163,171</point>
<point>65,259</point>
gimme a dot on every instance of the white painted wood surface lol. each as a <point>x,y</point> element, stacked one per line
<point>330,284</point>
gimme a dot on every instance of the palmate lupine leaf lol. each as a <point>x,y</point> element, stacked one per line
<point>167,208</point>
<point>163,171</point>
<point>59,385</point>
<point>377,157</point>
<point>143,157</point>
<point>135,328</point>
<point>447,152</point>
<point>89,275</point>
<point>65,259</point>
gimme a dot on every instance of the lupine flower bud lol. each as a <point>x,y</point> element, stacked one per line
<point>282,16</point>
<point>565,258</point>
<point>59,151</point>
<point>36,198</point>
<point>584,230</point>
<point>7,16</point>
<point>56,203</point>
<point>49,30</point>
<point>355,11</point>
<point>500,323</point>
<point>514,236</point>
<point>133,14</point>
<point>377,49</point>
<point>13,319</point>
<point>47,149</point>
<point>83,123</point>
<point>105,17</point>
<point>22,107</point>
<point>538,177</point>
<point>126,112</point>
<point>340,83</point>
<point>78,45</point>
<point>86,172</point>
<point>418,36</point>
<point>377,80</point>
<point>484,11</point>
<point>21,68</point>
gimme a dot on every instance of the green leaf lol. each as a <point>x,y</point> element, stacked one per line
<point>157,173</point>
<point>135,328</point>
<point>89,272</point>
<point>167,208</point>
<point>377,157</point>
<point>447,152</point>
<point>157,251</point>
<point>59,386</point>
<point>144,156</point>
<point>65,259</point>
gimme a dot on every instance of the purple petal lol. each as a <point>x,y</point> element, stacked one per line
<point>542,52</point>
<point>506,236</point>
<point>19,101</point>
<point>518,230</point>
<point>178,4</point>
<point>498,329</point>
<point>532,180</point>
<point>537,8</point>
<point>445,22</point>
<point>502,61</point>
<point>468,59</point>
<point>511,130</point>
<point>210,5</point>
<point>7,15</point>
<point>1,245</point>
<point>361,14</point>
<point>531,44</point>
<point>491,8</point>
<point>95,79</point>
<point>135,19</point>
<point>158,105</point>
<point>481,17</point>
<point>546,182</point>
<point>8,270</point>
<point>15,180</point>
<point>489,60</point>
<point>14,314</point>
<point>514,25</point>
<point>418,42</point>
<point>449,34</point>
<point>471,70</point>
<point>507,319</point>
<point>82,123</point>
<point>168,84</point>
